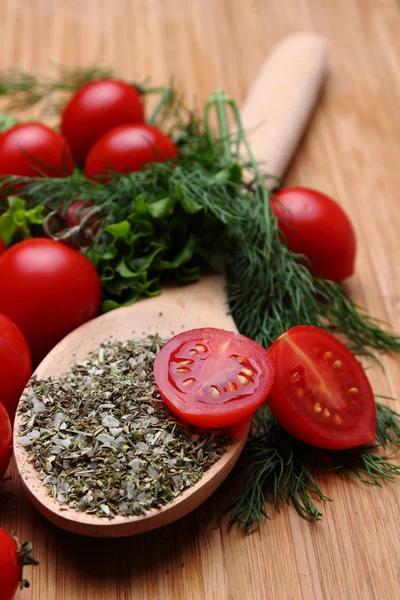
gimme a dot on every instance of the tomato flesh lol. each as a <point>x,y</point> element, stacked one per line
<point>5,441</point>
<point>321,394</point>
<point>213,378</point>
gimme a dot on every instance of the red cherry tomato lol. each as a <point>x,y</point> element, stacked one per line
<point>15,364</point>
<point>96,108</point>
<point>51,289</point>
<point>211,377</point>
<point>2,247</point>
<point>34,150</point>
<point>5,445</point>
<point>78,211</point>
<point>128,148</point>
<point>321,394</point>
<point>12,560</point>
<point>316,226</point>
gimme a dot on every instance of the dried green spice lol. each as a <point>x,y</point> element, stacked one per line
<point>102,439</point>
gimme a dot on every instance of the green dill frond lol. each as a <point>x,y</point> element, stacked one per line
<point>24,90</point>
<point>281,470</point>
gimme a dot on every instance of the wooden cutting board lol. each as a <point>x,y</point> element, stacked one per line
<point>351,151</point>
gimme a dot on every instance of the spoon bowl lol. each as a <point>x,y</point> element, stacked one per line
<point>198,305</point>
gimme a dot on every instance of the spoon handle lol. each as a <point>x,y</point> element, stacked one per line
<point>281,100</point>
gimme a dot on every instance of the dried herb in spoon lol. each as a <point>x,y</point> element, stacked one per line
<point>102,439</point>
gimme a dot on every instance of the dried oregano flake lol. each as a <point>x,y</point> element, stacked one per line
<point>102,439</point>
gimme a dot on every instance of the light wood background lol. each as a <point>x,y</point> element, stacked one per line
<point>351,151</point>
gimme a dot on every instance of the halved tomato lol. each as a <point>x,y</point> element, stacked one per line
<point>321,394</point>
<point>213,378</point>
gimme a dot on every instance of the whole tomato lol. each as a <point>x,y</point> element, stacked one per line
<point>96,108</point>
<point>5,444</point>
<point>79,210</point>
<point>51,289</point>
<point>128,148</point>
<point>12,560</point>
<point>34,150</point>
<point>315,225</point>
<point>15,364</point>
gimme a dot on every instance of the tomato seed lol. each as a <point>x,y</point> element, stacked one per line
<point>353,391</point>
<point>233,386</point>
<point>243,379</point>
<point>326,413</point>
<point>182,370</point>
<point>338,420</point>
<point>337,364</point>
<point>317,407</point>
<point>201,348</point>
<point>248,372</point>
<point>187,381</point>
<point>214,391</point>
<point>327,355</point>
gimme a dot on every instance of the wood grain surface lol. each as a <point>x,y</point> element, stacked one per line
<point>352,152</point>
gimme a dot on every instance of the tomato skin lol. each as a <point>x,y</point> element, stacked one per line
<point>316,226</point>
<point>96,108</point>
<point>78,211</point>
<point>198,375</point>
<point>34,150</point>
<point>15,364</point>
<point>5,444</point>
<point>128,148</point>
<point>321,394</point>
<point>10,568</point>
<point>51,289</point>
<point>2,247</point>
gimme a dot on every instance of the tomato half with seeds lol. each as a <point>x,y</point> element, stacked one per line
<point>213,378</point>
<point>321,394</point>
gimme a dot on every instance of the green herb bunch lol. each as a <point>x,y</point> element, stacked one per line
<point>211,209</point>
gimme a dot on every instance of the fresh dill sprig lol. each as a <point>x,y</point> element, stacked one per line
<point>280,468</point>
<point>25,90</point>
<point>175,221</point>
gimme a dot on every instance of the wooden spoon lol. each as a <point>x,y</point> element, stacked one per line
<point>277,109</point>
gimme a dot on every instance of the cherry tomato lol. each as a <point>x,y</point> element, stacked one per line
<point>128,148</point>
<point>12,560</point>
<point>15,364</point>
<point>2,247</point>
<point>34,150</point>
<point>78,211</point>
<point>5,444</point>
<point>321,394</point>
<point>51,289</point>
<point>96,108</point>
<point>211,377</point>
<point>316,226</point>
